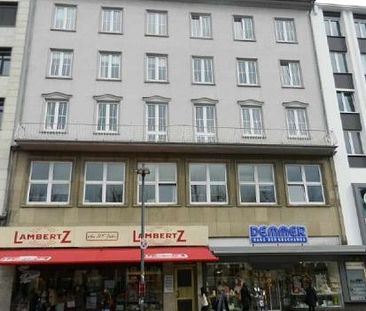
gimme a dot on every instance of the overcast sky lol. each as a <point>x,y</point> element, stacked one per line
<point>350,2</point>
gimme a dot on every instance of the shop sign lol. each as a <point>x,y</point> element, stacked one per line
<point>25,259</point>
<point>113,236</point>
<point>282,234</point>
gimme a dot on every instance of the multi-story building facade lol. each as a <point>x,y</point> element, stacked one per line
<point>13,25</point>
<point>222,102</point>
<point>340,41</point>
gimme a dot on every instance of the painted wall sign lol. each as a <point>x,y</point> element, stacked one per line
<point>113,236</point>
<point>277,234</point>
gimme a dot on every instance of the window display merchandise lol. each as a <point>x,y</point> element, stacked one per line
<point>280,289</point>
<point>92,288</point>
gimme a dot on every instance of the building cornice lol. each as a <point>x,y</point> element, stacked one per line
<point>288,4</point>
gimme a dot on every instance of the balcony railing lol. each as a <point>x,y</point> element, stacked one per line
<point>185,134</point>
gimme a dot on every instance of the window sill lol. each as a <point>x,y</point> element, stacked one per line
<point>287,42</point>
<point>101,205</point>
<point>110,33</point>
<point>245,136</point>
<point>245,40</point>
<point>310,205</point>
<point>109,80</point>
<point>209,205</point>
<point>158,205</point>
<point>292,87</point>
<point>202,38</point>
<point>100,133</point>
<point>156,82</point>
<point>248,85</point>
<point>56,132</point>
<point>58,78</point>
<point>159,36</point>
<point>63,30</point>
<point>45,205</point>
<point>204,84</point>
<point>258,205</point>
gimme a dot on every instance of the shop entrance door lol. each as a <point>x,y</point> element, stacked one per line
<point>267,290</point>
<point>185,288</point>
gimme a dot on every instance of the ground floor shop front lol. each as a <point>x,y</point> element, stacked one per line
<point>276,283</point>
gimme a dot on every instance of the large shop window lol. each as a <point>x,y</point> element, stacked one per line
<point>276,289</point>
<point>49,182</point>
<point>91,288</point>
<point>356,280</point>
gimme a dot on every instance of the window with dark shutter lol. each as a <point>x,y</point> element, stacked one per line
<point>8,14</point>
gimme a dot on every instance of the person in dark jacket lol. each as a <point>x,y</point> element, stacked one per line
<point>222,303</point>
<point>245,297</point>
<point>310,296</point>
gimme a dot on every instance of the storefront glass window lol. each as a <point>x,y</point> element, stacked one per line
<point>91,288</point>
<point>276,289</point>
<point>355,272</point>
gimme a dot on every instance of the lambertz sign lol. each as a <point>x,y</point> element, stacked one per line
<point>277,234</point>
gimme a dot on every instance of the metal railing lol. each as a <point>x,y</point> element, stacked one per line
<point>174,134</point>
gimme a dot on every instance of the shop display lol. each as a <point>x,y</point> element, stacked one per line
<point>282,289</point>
<point>87,289</point>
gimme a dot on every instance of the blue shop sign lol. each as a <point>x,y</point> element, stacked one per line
<point>277,234</point>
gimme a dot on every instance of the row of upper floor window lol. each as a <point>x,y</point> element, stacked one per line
<point>156,23</point>
<point>104,183</point>
<point>333,27</point>
<point>60,65</point>
<point>107,118</point>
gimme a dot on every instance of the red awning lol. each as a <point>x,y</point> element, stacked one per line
<point>103,255</point>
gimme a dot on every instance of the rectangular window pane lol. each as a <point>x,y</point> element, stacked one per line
<point>115,172</point>
<point>198,172</point>
<point>218,193</point>
<point>312,173</point>
<point>61,171</point>
<point>247,193</point>
<point>217,172</point>
<point>40,170</point>
<point>93,193</point>
<point>94,171</point>
<point>8,14</point>
<point>167,172</point>
<point>246,173</point>
<point>285,30</point>
<point>60,193</point>
<point>315,194</point>
<point>65,17</point>
<point>265,173</point>
<point>167,193</point>
<point>297,193</point>
<point>5,58</point>
<point>266,194</point>
<point>38,193</point>
<point>294,173</point>
<point>114,193</point>
<point>198,193</point>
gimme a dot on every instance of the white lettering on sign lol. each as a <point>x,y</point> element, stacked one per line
<point>25,258</point>
<point>166,256</point>
<point>178,236</point>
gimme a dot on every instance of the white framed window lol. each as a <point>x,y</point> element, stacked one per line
<point>157,122</point>
<point>304,184</point>
<point>160,184</point>
<point>256,184</point>
<point>252,121</point>
<point>353,142</point>
<point>363,60</point>
<point>107,117</point>
<point>111,20</point>
<point>290,73</point>
<point>156,68</point>
<point>156,23</point>
<point>64,17</point>
<point>208,183</point>
<point>205,120</point>
<point>332,26</point>
<point>202,70</point>
<point>360,26</point>
<point>285,30</point>
<point>345,101</point>
<point>247,71</point>
<point>201,25</point>
<point>60,64</point>
<point>339,62</point>
<point>109,65</point>
<point>49,182</point>
<point>243,28</point>
<point>56,115</point>
<point>104,183</point>
<point>297,124</point>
